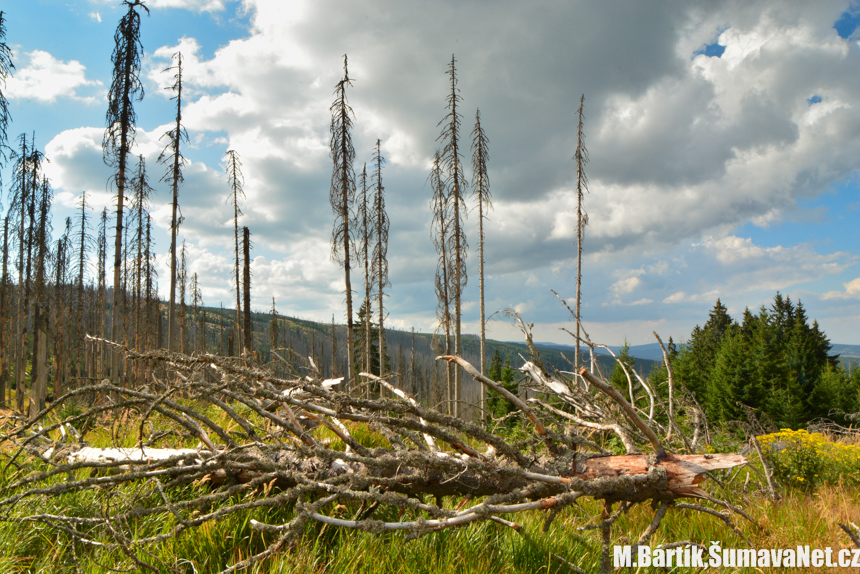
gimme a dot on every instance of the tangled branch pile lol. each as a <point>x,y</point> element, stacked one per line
<point>258,433</point>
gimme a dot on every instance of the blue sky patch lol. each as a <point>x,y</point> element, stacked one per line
<point>848,22</point>
<point>813,100</point>
<point>711,50</point>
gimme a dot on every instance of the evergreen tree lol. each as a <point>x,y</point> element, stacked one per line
<point>361,342</point>
<point>497,405</point>
<point>617,377</point>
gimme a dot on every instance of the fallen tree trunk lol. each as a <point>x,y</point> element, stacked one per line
<point>251,438</point>
<point>633,478</point>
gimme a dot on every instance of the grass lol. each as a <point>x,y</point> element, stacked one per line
<point>802,517</point>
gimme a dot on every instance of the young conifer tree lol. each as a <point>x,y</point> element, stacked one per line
<point>237,181</point>
<point>342,196</point>
<point>172,157</point>
<point>581,158</point>
<point>380,247</point>
<point>120,119</point>
<point>481,190</point>
<point>452,163</point>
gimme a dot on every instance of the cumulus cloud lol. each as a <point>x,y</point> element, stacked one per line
<point>685,148</point>
<point>194,5</point>
<point>852,291</point>
<point>44,78</point>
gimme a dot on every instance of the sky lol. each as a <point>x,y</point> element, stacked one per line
<point>724,144</point>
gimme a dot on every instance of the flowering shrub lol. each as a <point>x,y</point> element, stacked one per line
<point>803,460</point>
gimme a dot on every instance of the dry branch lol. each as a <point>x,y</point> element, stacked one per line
<point>248,422</point>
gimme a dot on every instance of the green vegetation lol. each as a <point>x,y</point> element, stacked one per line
<point>775,362</point>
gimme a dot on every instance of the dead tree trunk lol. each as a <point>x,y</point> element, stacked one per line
<point>246,289</point>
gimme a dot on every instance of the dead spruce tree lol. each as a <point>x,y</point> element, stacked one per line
<point>364,231</point>
<point>172,157</point>
<point>456,184</point>
<point>5,291</point>
<point>246,290</point>
<point>237,181</point>
<point>481,190</point>
<point>342,197</point>
<point>120,119</point>
<point>101,298</point>
<point>254,453</point>
<point>83,240</point>
<point>140,211</point>
<point>444,273</point>
<point>39,389</point>
<point>182,314</point>
<point>380,248</point>
<point>581,158</point>
<point>6,67</point>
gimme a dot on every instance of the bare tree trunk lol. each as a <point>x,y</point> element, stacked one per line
<point>480,157</point>
<point>234,174</point>
<point>246,290</point>
<point>581,157</point>
<point>4,315</point>
<point>341,197</point>
<point>175,175</point>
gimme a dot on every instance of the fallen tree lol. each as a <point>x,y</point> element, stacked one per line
<point>257,432</point>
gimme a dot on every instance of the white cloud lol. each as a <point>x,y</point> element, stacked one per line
<point>96,16</point>
<point>625,286</point>
<point>45,79</point>
<point>194,5</point>
<point>852,291</point>
<point>675,297</point>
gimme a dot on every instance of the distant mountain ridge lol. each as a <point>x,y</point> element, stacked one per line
<point>652,351</point>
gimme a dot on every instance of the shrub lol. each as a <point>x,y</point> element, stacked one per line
<point>804,460</point>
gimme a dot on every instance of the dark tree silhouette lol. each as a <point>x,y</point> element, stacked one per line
<point>172,157</point>
<point>342,196</point>
<point>6,67</point>
<point>456,182</point>
<point>119,137</point>
<point>101,297</point>
<point>441,227</point>
<point>182,314</point>
<point>83,239</point>
<point>4,315</point>
<point>581,158</point>
<point>39,389</point>
<point>481,189</point>
<point>380,247</point>
<point>140,205</point>
<point>246,289</point>
<point>364,231</point>
<point>237,181</point>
